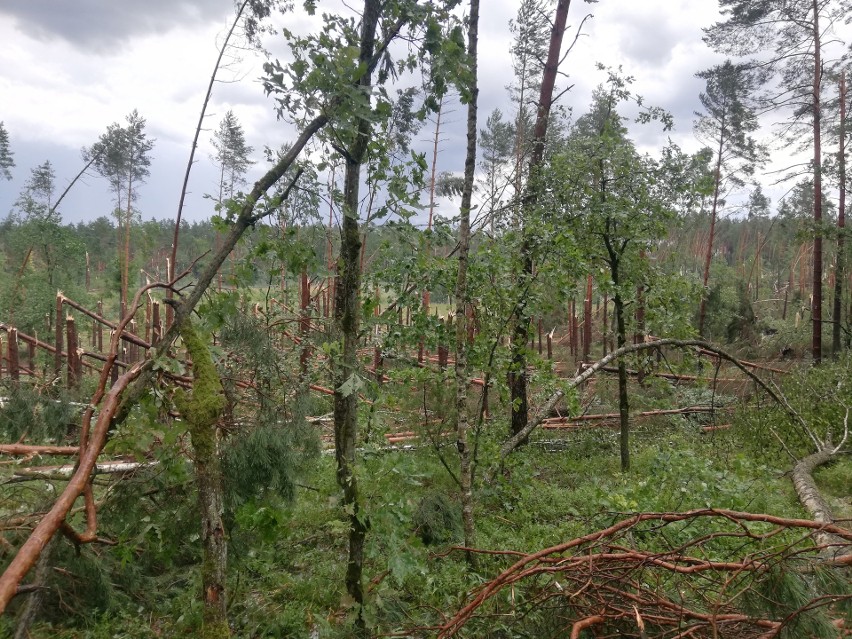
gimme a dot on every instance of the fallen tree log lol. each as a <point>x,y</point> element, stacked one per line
<point>550,404</point>
<point>24,450</point>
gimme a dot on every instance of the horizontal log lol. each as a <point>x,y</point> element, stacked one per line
<point>28,450</point>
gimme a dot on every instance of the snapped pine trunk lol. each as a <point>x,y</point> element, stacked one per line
<point>811,497</point>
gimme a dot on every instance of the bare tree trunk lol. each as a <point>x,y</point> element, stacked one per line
<point>172,268</point>
<point>840,269</point>
<point>304,323</point>
<point>30,609</point>
<point>810,496</point>
<point>462,295</point>
<point>816,313</point>
<point>125,267</point>
<point>587,320</point>
<point>621,342</point>
<point>708,256</point>
<point>518,374</point>
<point>347,314</point>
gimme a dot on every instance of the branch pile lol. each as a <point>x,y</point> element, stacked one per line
<point>703,573</point>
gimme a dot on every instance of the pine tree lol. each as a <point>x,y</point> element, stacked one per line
<point>725,125</point>
<point>530,29</point>
<point>531,194</point>
<point>496,141</point>
<point>122,156</point>
<point>232,155</point>
<point>787,39</point>
<point>35,201</point>
<point>6,159</point>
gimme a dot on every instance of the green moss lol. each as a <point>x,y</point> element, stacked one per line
<point>218,630</point>
<point>203,407</point>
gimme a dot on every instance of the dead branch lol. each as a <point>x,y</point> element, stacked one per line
<point>547,408</point>
<point>594,576</point>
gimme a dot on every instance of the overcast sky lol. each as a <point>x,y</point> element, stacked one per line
<point>69,69</point>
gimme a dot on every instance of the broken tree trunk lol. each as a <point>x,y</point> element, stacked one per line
<point>811,497</point>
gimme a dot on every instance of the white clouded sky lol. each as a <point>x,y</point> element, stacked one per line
<point>69,69</point>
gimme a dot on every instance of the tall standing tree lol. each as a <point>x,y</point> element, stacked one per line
<point>496,141</point>
<point>529,49</point>
<point>518,373</point>
<point>122,156</point>
<point>232,155</point>
<point>840,267</point>
<point>462,291</point>
<point>786,40</point>
<point>726,126</point>
<point>337,75</point>
<point>7,160</point>
<point>36,200</point>
<point>34,205</point>
<point>625,203</point>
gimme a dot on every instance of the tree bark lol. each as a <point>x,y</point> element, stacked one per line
<point>708,256</point>
<point>518,373</point>
<point>810,496</point>
<point>30,609</point>
<point>840,268</point>
<point>202,412</point>
<point>816,313</point>
<point>347,315</point>
<point>462,294</point>
<point>623,403</point>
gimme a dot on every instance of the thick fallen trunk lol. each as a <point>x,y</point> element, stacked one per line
<point>812,499</point>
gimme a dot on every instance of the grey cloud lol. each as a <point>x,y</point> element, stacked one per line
<point>652,51</point>
<point>103,26</point>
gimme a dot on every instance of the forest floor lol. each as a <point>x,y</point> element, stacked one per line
<point>288,558</point>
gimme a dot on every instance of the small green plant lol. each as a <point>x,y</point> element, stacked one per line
<point>437,519</point>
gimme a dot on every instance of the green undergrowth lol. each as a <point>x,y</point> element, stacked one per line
<point>288,558</point>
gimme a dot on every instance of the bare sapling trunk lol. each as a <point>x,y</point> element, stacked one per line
<point>347,313</point>
<point>202,411</point>
<point>172,264</point>
<point>708,256</point>
<point>462,295</point>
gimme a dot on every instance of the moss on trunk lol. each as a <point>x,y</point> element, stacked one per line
<point>201,410</point>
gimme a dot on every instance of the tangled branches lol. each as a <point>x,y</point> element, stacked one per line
<point>655,575</point>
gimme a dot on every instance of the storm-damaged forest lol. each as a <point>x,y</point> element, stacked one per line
<point>580,381</point>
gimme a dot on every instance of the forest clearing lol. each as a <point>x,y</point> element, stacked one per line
<point>574,381</point>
